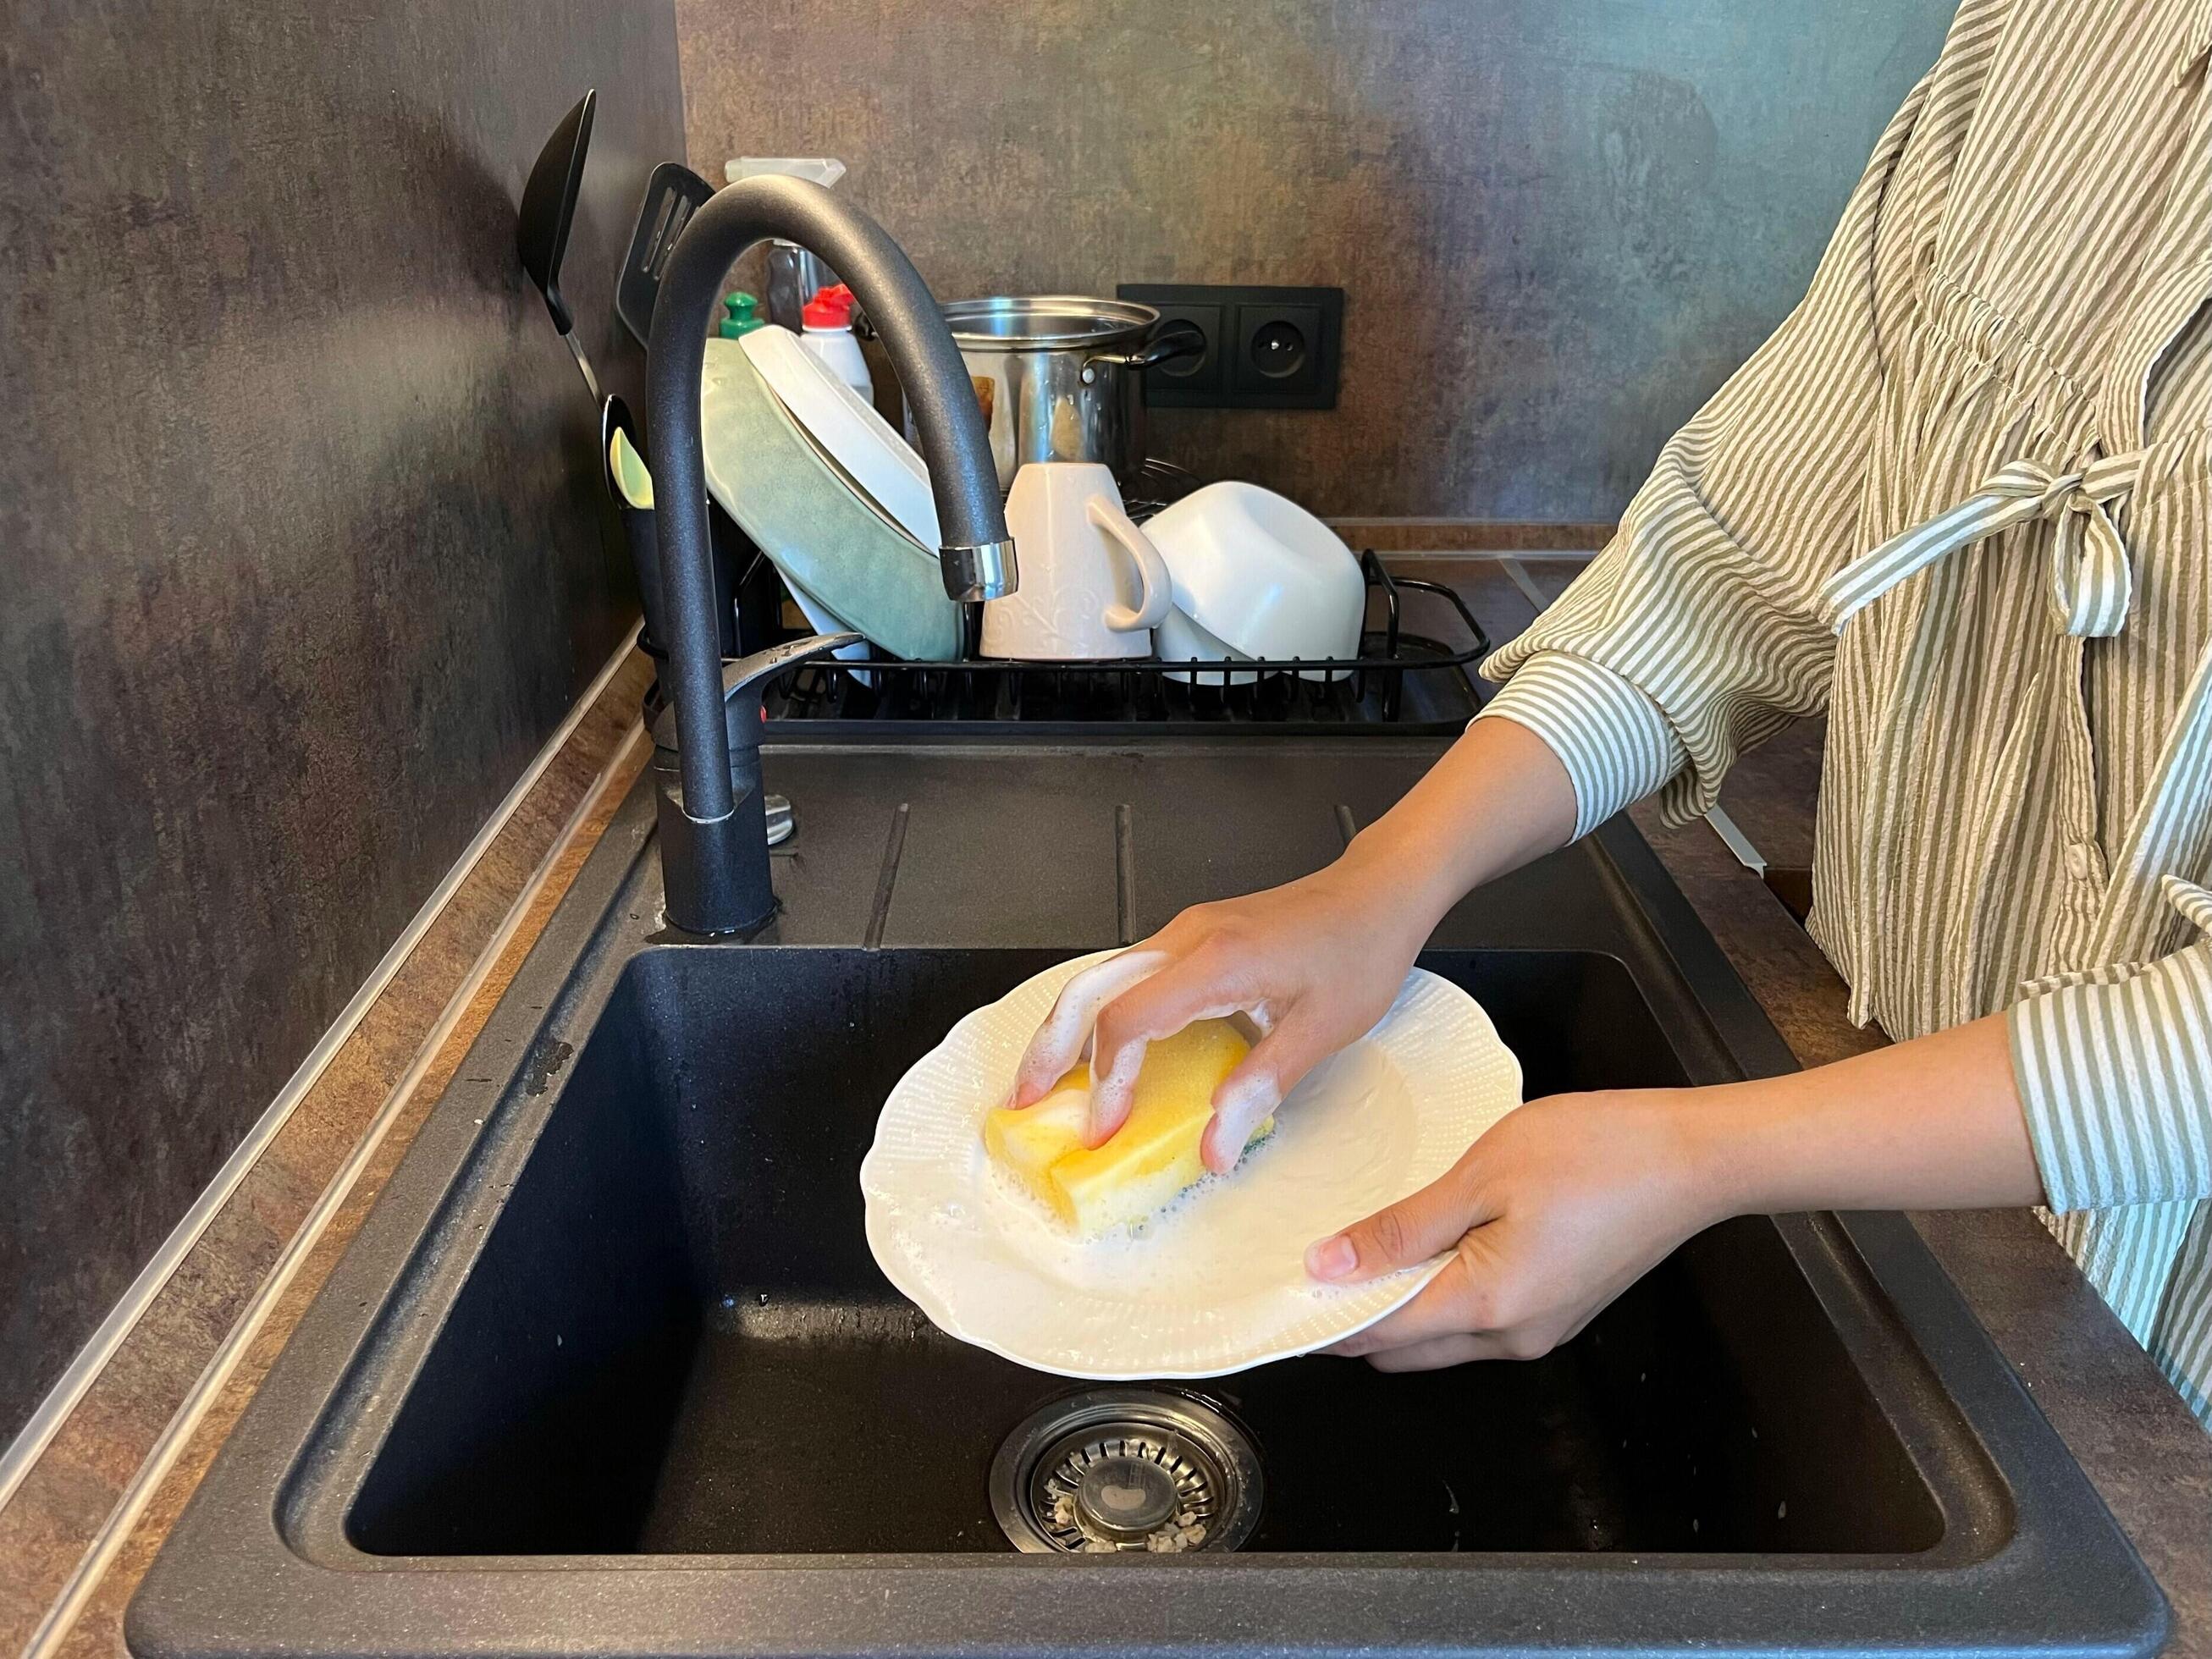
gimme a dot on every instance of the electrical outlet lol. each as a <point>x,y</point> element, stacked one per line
<point>1278,349</point>
<point>1204,373</point>
<point>1267,347</point>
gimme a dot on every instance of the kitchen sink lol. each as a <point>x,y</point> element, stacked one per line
<point>675,1340</point>
<point>610,1367</point>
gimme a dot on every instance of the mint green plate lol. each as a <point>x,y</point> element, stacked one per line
<point>814,526</point>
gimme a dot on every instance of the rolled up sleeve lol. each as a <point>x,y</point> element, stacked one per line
<point>1615,744</point>
<point>2115,1076</point>
<point>1706,605</point>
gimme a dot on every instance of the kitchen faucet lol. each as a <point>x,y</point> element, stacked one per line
<point>714,830</point>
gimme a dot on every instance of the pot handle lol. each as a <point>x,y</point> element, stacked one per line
<point>1156,588</point>
<point>1177,339</point>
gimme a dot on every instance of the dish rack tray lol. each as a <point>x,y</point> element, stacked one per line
<point>1403,682</point>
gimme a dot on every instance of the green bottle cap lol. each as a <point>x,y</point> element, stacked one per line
<point>741,306</point>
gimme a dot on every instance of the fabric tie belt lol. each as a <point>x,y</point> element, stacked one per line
<point>2090,582</point>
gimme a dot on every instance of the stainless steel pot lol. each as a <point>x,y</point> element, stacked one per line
<point>1061,378</point>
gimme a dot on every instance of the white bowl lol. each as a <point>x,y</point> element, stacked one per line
<point>1178,639</point>
<point>1260,575</point>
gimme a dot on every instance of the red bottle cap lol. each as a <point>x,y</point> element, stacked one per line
<point>832,307</point>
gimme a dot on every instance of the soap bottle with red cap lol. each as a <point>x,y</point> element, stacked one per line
<point>828,335</point>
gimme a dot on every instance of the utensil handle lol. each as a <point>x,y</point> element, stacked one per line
<point>1156,588</point>
<point>576,350</point>
<point>1177,339</point>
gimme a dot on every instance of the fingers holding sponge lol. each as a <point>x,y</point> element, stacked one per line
<point>1150,1160</point>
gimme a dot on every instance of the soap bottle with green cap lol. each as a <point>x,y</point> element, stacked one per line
<point>743,317</point>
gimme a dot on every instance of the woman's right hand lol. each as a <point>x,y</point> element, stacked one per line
<point>1314,963</point>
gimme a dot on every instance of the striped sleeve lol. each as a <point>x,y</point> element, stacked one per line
<point>2115,1078</point>
<point>1708,599</point>
<point>1611,737</point>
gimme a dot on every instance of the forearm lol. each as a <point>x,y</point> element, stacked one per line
<point>1497,798</point>
<point>1935,1123</point>
<point>1931,1124</point>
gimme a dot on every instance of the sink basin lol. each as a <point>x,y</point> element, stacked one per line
<point>610,1368</point>
<point>675,1341</point>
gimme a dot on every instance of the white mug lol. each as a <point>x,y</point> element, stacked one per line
<point>1093,585</point>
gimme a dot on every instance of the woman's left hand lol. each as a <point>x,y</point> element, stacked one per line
<point>1568,1201</point>
<point>1555,1212</point>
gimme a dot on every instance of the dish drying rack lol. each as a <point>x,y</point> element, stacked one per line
<point>1402,682</point>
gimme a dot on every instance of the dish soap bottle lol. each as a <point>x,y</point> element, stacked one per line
<point>828,335</point>
<point>743,318</point>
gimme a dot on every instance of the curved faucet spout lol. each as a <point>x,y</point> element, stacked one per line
<point>977,558</point>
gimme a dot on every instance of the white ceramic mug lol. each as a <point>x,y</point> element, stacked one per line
<point>1093,585</point>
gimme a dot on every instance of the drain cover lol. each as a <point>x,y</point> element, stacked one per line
<point>1134,1469</point>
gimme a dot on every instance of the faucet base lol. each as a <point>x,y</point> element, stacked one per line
<point>716,870</point>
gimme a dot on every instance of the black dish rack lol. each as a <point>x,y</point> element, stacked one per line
<point>1403,682</point>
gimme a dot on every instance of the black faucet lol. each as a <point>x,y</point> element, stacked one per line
<point>713,831</point>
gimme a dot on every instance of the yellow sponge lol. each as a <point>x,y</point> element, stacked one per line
<point>1153,1157</point>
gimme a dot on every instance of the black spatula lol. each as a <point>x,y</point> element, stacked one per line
<point>672,195</point>
<point>549,207</point>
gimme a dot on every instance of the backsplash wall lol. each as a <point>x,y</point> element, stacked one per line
<point>301,517</point>
<point>1559,223</point>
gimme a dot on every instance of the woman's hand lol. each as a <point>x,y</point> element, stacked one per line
<point>1558,1209</point>
<point>1567,1201</point>
<point>1314,964</point>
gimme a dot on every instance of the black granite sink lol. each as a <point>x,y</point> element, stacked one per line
<point>610,1368</point>
<point>675,1341</point>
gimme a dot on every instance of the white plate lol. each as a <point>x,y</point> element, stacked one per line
<point>822,532</point>
<point>846,428</point>
<point>1218,1283</point>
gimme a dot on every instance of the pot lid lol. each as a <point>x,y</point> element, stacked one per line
<point>1024,322</point>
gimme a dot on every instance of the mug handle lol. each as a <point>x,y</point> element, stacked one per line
<point>1156,588</point>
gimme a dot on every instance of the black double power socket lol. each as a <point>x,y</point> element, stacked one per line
<point>1266,348</point>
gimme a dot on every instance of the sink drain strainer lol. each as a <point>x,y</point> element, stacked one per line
<point>1135,1469</point>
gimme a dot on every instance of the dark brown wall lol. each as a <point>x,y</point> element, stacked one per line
<point>299,517</point>
<point>1560,222</point>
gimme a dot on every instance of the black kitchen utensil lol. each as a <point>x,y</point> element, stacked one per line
<point>549,206</point>
<point>672,195</point>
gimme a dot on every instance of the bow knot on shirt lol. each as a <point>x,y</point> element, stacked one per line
<point>2090,580</point>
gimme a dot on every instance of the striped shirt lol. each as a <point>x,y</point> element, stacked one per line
<point>1962,501</point>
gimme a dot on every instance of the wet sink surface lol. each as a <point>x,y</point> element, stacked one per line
<point>675,1341</point>
<point>609,1368</point>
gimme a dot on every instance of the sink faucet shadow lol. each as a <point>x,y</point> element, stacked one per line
<point>712,821</point>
